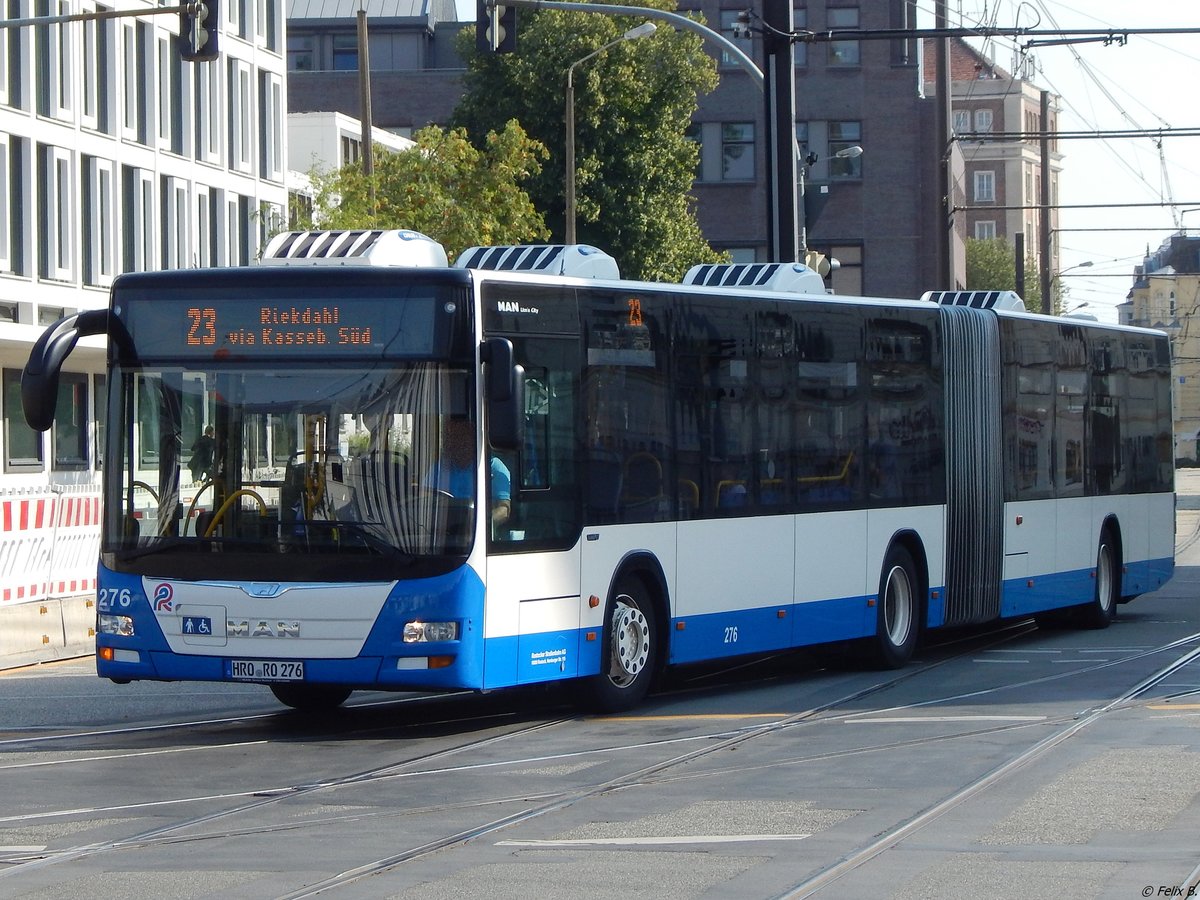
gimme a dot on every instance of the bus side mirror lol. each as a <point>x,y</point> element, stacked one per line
<point>505,388</point>
<point>39,379</point>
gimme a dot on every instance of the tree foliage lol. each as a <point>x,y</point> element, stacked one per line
<point>443,187</point>
<point>991,266</point>
<point>633,104</point>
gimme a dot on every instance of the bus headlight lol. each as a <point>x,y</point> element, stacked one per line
<point>427,632</point>
<point>122,625</point>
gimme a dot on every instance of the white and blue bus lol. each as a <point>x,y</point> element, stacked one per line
<point>427,477</point>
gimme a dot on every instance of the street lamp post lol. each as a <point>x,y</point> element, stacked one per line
<point>632,34</point>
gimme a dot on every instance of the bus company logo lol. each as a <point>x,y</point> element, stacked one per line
<point>512,306</point>
<point>164,598</point>
<point>261,628</point>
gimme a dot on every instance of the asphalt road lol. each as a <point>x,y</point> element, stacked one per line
<point>1012,763</point>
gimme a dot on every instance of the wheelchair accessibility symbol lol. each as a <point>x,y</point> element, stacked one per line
<point>197,625</point>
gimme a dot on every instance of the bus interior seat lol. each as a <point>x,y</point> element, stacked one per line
<point>731,494</point>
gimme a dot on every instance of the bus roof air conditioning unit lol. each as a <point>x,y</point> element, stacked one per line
<point>396,247</point>
<point>792,277</point>
<point>576,260</point>
<point>1009,300</point>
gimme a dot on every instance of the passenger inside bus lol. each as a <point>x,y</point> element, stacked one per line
<point>454,471</point>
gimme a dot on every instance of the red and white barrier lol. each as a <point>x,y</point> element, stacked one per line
<point>49,544</point>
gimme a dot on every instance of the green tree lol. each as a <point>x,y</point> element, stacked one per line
<point>633,104</point>
<point>991,266</point>
<point>443,187</point>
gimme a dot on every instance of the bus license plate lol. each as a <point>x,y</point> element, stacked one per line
<point>266,670</point>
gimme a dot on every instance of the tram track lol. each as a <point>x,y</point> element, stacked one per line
<point>896,835</point>
<point>714,742</point>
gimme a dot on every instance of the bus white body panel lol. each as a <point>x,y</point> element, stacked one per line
<point>536,596</point>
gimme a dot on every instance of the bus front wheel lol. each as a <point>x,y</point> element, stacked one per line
<point>629,653</point>
<point>310,697</point>
<point>898,610</point>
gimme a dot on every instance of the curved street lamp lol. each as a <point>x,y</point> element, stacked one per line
<point>632,34</point>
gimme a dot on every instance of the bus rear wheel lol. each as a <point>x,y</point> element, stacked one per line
<point>1103,608</point>
<point>310,697</point>
<point>898,610</point>
<point>630,654</point>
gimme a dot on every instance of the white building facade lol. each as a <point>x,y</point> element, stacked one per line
<point>115,156</point>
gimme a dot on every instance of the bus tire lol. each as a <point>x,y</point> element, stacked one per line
<point>311,697</point>
<point>630,652</point>
<point>1103,607</point>
<point>898,610</point>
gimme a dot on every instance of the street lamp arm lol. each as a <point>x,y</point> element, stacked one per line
<point>735,52</point>
<point>573,66</point>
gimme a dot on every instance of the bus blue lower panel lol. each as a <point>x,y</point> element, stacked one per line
<point>1026,596</point>
<point>532,658</point>
<point>736,632</point>
<point>1144,577</point>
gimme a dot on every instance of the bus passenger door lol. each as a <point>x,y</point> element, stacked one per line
<point>532,619</point>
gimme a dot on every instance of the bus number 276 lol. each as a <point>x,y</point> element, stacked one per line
<point>731,634</point>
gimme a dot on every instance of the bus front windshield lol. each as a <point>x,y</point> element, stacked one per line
<point>279,473</point>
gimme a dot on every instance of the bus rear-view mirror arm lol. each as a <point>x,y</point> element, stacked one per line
<point>39,380</point>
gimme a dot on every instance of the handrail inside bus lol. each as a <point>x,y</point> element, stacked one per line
<point>220,513</point>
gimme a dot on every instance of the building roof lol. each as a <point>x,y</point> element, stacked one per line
<point>430,11</point>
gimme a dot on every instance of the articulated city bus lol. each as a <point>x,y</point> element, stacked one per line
<point>523,469</point>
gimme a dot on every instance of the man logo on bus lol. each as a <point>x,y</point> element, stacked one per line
<point>163,596</point>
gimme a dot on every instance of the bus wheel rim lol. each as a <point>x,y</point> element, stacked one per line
<point>630,644</point>
<point>897,606</point>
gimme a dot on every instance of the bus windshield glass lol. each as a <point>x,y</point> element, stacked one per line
<point>280,472</point>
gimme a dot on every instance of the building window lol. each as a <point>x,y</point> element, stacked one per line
<point>843,136</point>
<point>736,34</point>
<point>57,203</point>
<point>847,279</point>
<point>6,204</point>
<point>345,52</point>
<point>985,230</point>
<point>99,220</point>
<point>800,23</point>
<point>270,118</point>
<point>90,74</point>
<point>16,205</point>
<point>208,111</point>
<point>22,445</point>
<point>985,187</point>
<point>300,56</point>
<point>175,217</point>
<point>8,36</point>
<point>69,436</point>
<point>137,220</point>
<point>351,150</point>
<point>240,112</point>
<point>695,134</point>
<point>962,121</point>
<point>737,151</point>
<point>983,121</point>
<point>843,53</point>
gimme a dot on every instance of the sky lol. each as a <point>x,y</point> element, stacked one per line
<point>1150,83</point>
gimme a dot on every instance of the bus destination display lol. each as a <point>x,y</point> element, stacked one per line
<point>224,327</point>
<point>278,326</point>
